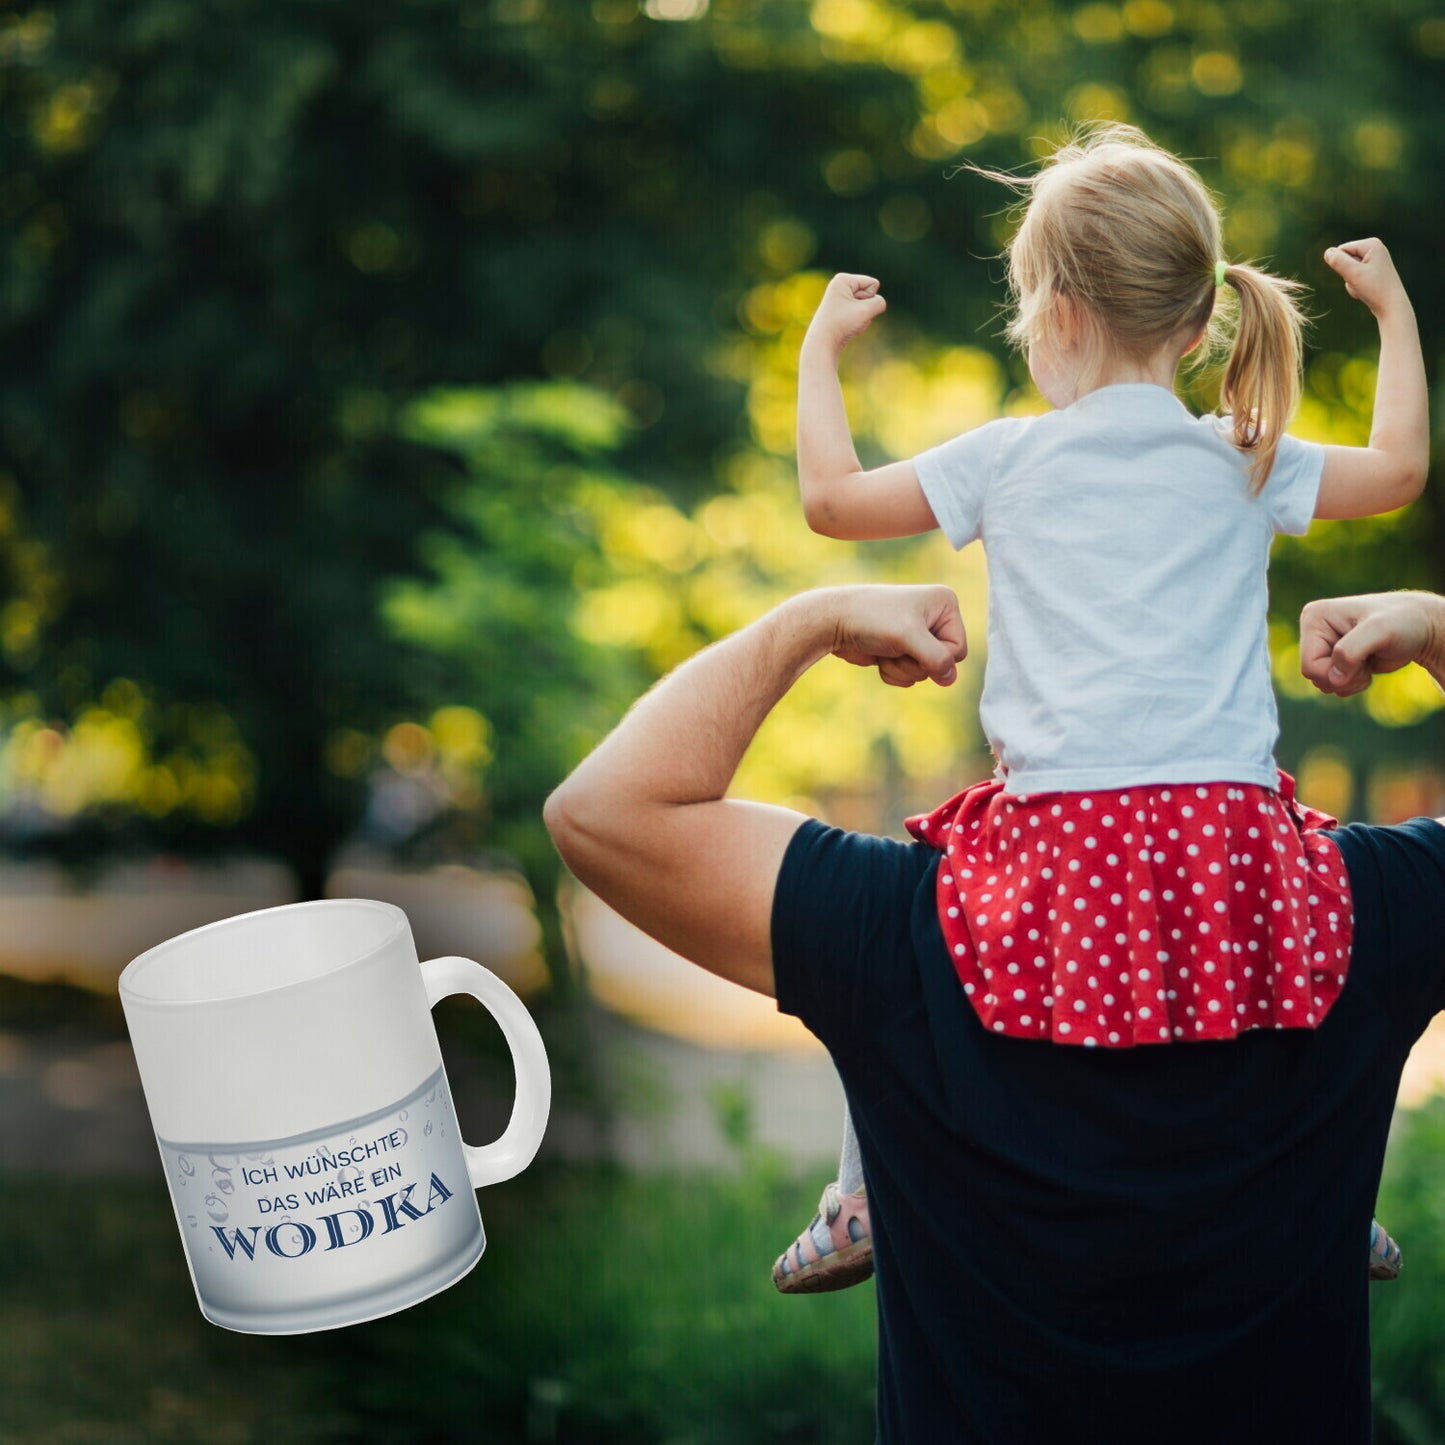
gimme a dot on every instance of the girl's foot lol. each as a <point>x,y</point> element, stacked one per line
<point>1385,1256</point>
<point>833,1252</point>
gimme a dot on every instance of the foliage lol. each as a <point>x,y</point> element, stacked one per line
<point>564,587</point>
<point>492,609</point>
<point>242,239</point>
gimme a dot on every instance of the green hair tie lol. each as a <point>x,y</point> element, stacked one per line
<point>1220,267</point>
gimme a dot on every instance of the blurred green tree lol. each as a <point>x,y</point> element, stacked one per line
<point>495,608</point>
<point>241,238</point>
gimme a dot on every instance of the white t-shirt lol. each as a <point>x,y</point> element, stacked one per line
<point>1127,596</point>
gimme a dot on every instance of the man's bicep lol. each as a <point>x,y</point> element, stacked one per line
<point>701,882</point>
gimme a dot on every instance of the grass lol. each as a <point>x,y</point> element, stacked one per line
<point>1407,1326</point>
<point>607,1308</point>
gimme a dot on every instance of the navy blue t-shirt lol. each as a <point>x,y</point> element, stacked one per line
<point>1110,1245</point>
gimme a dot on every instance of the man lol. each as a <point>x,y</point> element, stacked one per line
<point>1153,1244</point>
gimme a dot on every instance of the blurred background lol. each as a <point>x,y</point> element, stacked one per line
<point>389,393</point>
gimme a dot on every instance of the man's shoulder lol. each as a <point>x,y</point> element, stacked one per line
<point>1397,891</point>
<point>1370,850</point>
<point>838,877</point>
<point>850,913</point>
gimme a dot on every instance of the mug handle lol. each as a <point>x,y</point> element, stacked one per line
<point>509,1155</point>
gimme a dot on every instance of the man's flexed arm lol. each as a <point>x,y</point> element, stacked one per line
<point>1346,641</point>
<point>643,820</point>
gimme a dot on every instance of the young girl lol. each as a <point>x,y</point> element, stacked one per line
<point>1138,871</point>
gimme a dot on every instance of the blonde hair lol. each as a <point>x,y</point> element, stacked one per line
<point>1131,236</point>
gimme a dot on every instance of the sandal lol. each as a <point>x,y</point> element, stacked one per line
<point>834,1252</point>
<point>1385,1256</point>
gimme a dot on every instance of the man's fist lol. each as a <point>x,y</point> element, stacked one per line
<point>1346,641</point>
<point>907,633</point>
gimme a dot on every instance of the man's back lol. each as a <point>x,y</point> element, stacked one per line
<point>1163,1243</point>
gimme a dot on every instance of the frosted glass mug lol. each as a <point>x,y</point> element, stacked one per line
<point>296,1089</point>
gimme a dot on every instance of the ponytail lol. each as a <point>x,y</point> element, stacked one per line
<point>1261,386</point>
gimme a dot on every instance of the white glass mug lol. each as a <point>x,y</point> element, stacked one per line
<point>297,1093</point>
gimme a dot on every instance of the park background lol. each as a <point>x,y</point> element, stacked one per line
<point>389,392</point>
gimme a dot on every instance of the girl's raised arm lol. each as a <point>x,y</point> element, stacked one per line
<point>1390,472</point>
<point>840,499</point>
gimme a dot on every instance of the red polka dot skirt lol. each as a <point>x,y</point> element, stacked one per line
<point>1141,915</point>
